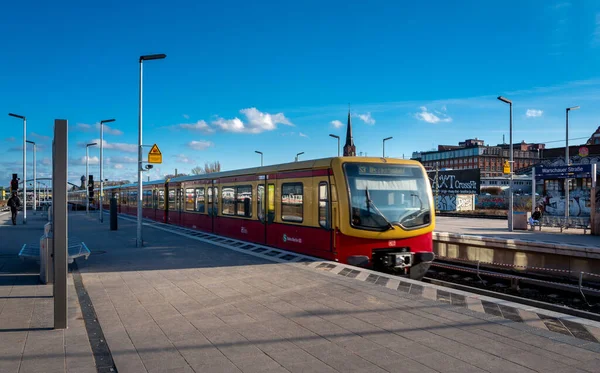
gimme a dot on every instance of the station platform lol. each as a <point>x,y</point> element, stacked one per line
<point>192,302</point>
<point>495,228</point>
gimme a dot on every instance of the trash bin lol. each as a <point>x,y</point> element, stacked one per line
<point>47,255</point>
<point>520,220</point>
<point>113,214</point>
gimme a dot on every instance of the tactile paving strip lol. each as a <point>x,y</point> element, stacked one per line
<point>585,330</point>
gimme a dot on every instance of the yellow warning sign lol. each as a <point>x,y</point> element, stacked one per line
<point>506,167</point>
<point>155,156</point>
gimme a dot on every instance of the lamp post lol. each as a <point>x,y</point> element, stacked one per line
<point>102,166</point>
<point>261,157</point>
<point>24,164</point>
<point>87,177</point>
<point>34,175</point>
<point>567,181</point>
<point>139,242</point>
<point>298,155</point>
<point>384,140</point>
<point>338,140</point>
<point>510,198</point>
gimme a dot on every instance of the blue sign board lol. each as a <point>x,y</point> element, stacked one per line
<point>563,172</point>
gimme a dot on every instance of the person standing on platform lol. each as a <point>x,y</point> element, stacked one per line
<point>14,203</point>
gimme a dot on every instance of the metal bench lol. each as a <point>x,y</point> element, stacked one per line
<point>564,223</point>
<point>76,250</point>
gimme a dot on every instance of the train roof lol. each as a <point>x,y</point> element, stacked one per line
<point>291,166</point>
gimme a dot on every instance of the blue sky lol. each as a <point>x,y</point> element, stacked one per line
<point>276,76</point>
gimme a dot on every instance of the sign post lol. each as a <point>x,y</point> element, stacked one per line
<point>154,156</point>
<point>60,169</point>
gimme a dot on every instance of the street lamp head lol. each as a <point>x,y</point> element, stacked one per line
<point>92,144</point>
<point>300,153</point>
<point>334,136</point>
<point>573,108</point>
<point>30,142</point>
<point>387,138</point>
<point>504,100</point>
<point>107,121</point>
<point>16,116</point>
<point>256,151</point>
<point>149,57</point>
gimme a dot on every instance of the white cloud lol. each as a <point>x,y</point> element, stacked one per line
<point>109,130</point>
<point>41,137</point>
<point>430,117</point>
<point>121,159</point>
<point>182,158</point>
<point>128,148</point>
<point>46,161</point>
<point>119,166</point>
<point>199,145</point>
<point>533,113</point>
<point>10,139</point>
<point>81,161</point>
<point>367,118</point>
<point>200,126</point>
<point>186,116</point>
<point>336,123</point>
<point>84,127</point>
<point>302,134</point>
<point>257,122</point>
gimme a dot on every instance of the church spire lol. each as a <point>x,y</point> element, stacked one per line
<point>349,148</point>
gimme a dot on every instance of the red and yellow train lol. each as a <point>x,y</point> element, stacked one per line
<point>371,212</point>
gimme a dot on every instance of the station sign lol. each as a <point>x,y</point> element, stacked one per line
<point>563,172</point>
<point>506,168</point>
<point>455,181</point>
<point>155,156</point>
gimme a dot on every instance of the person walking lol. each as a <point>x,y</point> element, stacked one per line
<point>14,203</point>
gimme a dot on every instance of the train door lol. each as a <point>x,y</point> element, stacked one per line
<point>270,211</point>
<point>261,203</point>
<point>213,204</point>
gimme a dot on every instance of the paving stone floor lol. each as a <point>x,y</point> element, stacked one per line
<point>28,342</point>
<point>179,305</point>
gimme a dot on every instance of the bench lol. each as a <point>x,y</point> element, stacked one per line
<point>76,250</point>
<point>562,223</point>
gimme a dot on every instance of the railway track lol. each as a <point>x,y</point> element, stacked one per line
<point>577,299</point>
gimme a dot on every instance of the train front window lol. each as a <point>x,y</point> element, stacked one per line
<point>384,196</point>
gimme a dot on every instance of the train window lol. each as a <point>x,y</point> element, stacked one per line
<point>271,201</point>
<point>292,202</point>
<point>147,198</point>
<point>189,200</point>
<point>216,201</point>
<point>134,198</point>
<point>323,205</point>
<point>200,199</point>
<point>154,199</point>
<point>243,201</point>
<point>161,199</point>
<point>260,202</point>
<point>171,201</point>
<point>228,197</point>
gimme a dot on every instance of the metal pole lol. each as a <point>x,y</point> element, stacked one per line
<point>87,180</point>
<point>101,172</point>
<point>510,217</point>
<point>34,179</point>
<point>532,189</point>
<point>24,171</point>
<point>60,221</point>
<point>338,139</point>
<point>567,197</point>
<point>140,169</point>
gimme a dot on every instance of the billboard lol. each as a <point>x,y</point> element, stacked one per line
<point>563,172</point>
<point>455,181</point>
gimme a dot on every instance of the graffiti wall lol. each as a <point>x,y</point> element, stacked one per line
<point>520,203</point>
<point>456,202</point>
<point>553,203</point>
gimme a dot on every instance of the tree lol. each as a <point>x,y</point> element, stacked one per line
<point>209,168</point>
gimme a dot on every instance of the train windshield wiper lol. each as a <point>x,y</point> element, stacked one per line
<point>370,203</point>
